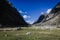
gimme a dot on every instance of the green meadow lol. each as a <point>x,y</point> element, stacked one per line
<point>30,34</point>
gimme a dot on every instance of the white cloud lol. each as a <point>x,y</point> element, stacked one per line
<point>42,12</point>
<point>48,11</point>
<point>22,11</point>
<point>29,21</point>
<point>26,16</point>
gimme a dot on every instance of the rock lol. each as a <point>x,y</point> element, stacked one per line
<point>28,33</point>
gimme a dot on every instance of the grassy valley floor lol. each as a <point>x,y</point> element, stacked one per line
<point>30,34</point>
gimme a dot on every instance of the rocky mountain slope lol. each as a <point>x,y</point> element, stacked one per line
<point>9,16</point>
<point>53,18</point>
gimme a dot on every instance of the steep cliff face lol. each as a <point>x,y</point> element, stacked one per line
<point>39,19</point>
<point>9,16</point>
<point>53,18</point>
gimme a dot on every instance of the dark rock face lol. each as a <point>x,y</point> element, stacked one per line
<point>9,16</point>
<point>56,8</point>
<point>40,19</point>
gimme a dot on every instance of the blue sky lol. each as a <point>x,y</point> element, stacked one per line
<point>32,9</point>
